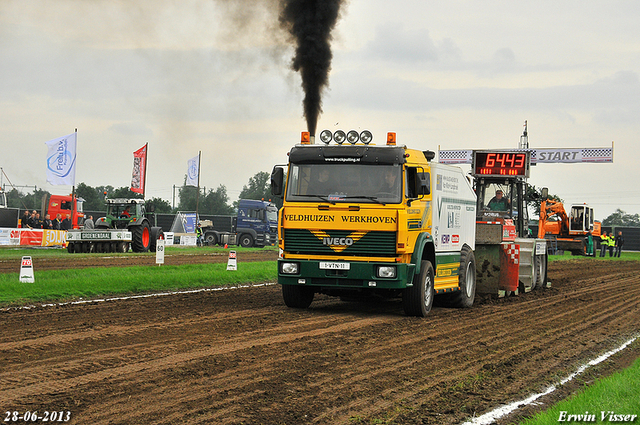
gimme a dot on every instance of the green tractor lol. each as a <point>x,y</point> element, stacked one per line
<point>130,214</point>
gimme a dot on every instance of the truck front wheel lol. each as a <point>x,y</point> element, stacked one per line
<point>418,299</point>
<point>246,241</point>
<point>297,296</point>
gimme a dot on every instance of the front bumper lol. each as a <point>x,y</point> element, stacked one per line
<point>359,275</point>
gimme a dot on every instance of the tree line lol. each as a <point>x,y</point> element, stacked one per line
<point>216,201</point>
<point>210,201</point>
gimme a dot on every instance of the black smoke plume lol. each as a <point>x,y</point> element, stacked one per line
<point>310,23</point>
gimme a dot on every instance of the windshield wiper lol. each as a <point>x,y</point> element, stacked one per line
<point>323,197</point>
<point>371,198</point>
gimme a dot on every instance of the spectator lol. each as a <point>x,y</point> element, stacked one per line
<point>66,223</point>
<point>24,221</point>
<point>37,222</point>
<point>32,220</point>
<point>619,243</point>
<point>88,223</point>
<point>47,223</point>
<point>57,223</point>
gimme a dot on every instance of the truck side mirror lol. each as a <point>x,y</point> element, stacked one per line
<point>423,182</point>
<point>277,181</point>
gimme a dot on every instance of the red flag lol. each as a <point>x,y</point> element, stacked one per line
<point>139,170</point>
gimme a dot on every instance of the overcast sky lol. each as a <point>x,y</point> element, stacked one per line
<point>213,76</point>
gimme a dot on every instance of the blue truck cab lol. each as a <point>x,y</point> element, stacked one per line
<point>257,223</point>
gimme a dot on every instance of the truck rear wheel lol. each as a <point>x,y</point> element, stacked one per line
<point>297,296</point>
<point>466,279</point>
<point>141,238</point>
<point>541,271</point>
<point>418,299</point>
<point>211,239</point>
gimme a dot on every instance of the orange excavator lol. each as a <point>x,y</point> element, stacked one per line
<point>569,232</point>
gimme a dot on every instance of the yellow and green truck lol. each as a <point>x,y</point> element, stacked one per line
<point>360,219</point>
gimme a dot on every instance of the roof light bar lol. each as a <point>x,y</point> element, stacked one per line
<point>340,137</point>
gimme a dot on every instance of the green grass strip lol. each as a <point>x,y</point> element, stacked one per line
<point>59,285</point>
<point>618,394</point>
<point>624,256</point>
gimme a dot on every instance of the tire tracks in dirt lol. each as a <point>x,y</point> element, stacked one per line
<point>242,357</point>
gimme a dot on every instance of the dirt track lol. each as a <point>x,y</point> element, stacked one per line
<point>240,356</point>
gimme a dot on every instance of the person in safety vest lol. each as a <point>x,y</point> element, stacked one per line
<point>604,243</point>
<point>612,244</point>
<point>199,235</point>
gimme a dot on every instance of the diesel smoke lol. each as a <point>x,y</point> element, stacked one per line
<point>310,23</point>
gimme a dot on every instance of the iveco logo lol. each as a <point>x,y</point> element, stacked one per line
<point>337,241</point>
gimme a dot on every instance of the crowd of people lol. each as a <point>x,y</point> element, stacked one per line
<point>611,243</point>
<point>32,220</point>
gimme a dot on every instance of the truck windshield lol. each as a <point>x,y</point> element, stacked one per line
<point>496,198</point>
<point>345,183</point>
<point>272,214</point>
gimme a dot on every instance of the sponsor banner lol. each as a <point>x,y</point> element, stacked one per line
<point>32,237</point>
<point>138,174</point>
<point>193,171</point>
<point>53,237</point>
<point>188,240</point>
<point>9,236</point>
<point>61,160</point>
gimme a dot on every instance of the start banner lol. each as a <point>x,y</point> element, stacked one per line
<point>538,156</point>
<point>33,237</point>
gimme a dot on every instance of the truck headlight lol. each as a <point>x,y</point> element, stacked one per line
<point>289,268</point>
<point>386,272</point>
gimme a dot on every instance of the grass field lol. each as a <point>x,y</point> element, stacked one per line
<point>624,256</point>
<point>64,285</point>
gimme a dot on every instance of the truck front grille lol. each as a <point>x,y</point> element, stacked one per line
<point>370,244</point>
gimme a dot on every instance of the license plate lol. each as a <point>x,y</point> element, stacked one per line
<point>334,266</point>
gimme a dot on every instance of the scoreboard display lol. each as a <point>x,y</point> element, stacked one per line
<point>501,163</point>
